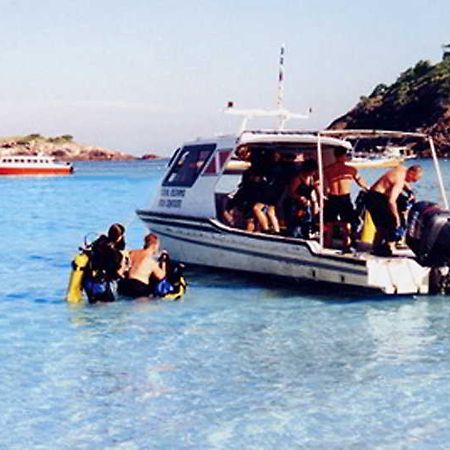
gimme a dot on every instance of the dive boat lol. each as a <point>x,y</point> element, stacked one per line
<point>190,206</point>
<point>187,214</point>
<point>33,165</point>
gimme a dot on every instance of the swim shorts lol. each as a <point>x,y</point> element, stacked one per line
<point>131,287</point>
<point>339,207</point>
<point>378,206</point>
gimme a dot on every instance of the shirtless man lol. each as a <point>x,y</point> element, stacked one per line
<point>381,201</point>
<point>143,266</point>
<point>338,206</point>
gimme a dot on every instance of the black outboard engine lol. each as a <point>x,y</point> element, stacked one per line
<point>428,236</point>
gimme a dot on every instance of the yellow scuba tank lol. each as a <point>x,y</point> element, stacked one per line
<point>180,290</point>
<point>368,229</point>
<point>75,288</point>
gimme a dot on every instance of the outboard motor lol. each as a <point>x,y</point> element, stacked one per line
<point>428,236</point>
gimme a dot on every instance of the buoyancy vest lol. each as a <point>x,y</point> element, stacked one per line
<point>106,261</point>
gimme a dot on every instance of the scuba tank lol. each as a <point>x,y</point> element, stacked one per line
<point>93,270</point>
<point>368,229</point>
<point>174,285</point>
<point>179,290</point>
<point>74,292</point>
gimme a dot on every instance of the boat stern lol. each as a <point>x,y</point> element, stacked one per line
<point>398,275</point>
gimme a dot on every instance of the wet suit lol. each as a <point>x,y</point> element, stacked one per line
<point>102,270</point>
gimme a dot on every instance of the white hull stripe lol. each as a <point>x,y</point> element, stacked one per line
<point>286,259</point>
<point>206,225</point>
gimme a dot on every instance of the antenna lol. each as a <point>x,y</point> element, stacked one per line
<point>281,79</point>
<point>281,112</point>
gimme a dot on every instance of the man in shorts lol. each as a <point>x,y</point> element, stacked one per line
<point>381,201</point>
<point>144,266</point>
<point>338,207</point>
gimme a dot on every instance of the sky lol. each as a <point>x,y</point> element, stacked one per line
<point>142,76</point>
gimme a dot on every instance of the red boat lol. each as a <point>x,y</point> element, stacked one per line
<point>33,165</point>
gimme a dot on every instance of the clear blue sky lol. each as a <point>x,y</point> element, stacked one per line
<point>144,75</point>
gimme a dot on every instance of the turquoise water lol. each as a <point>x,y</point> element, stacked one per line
<point>241,363</point>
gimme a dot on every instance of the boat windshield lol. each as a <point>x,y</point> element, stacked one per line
<point>188,164</point>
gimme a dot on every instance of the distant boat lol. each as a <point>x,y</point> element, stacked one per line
<point>392,156</point>
<point>33,165</point>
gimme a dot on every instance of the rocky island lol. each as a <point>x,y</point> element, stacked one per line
<point>419,100</point>
<point>62,147</point>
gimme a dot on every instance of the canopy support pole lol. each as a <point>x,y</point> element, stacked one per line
<point>321,187</point>
<point>438,172</point>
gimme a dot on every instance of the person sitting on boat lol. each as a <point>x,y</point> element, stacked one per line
<point>381,202</point>
<point>144,268</point>
<point>107,263</point>
<point>301,204</point>
<point>270,192</point>
<point>238,210</point>
<point>338,208</point>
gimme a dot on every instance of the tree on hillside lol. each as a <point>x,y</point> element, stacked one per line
<point>417,100</point>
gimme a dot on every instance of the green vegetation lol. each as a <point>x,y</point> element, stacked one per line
<point>418,100</point>
<point>23,140</point>
<point>60,139</point>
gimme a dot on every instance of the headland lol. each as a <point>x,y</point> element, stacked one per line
<point>419,100</point>
<point>63,148</point>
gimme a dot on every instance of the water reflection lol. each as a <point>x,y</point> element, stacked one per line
<point>400,333</point>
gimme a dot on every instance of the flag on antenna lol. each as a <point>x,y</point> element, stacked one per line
<point>280,79</point>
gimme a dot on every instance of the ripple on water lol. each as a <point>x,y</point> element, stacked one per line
<point>242,362</point>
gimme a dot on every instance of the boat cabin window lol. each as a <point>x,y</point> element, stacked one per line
<point>189,162</point>
<point>173,157</point>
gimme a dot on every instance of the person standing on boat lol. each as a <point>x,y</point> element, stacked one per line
<point>144,268</point>
<point>338,208</point>
<point>381,202</point>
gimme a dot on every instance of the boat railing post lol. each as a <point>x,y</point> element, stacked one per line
<point>321,186</point>
<point>438,172</point>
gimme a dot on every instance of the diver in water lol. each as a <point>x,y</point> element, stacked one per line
<point>144,269</point>
<point>107,259</point>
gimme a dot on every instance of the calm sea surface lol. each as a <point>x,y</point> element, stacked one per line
<point>239,364</point>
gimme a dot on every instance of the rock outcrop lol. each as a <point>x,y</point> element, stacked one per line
<point>150,156</point>
<point>62,147</point>
<point>419,100</point>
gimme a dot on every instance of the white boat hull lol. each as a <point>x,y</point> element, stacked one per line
<point>209,243</point>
